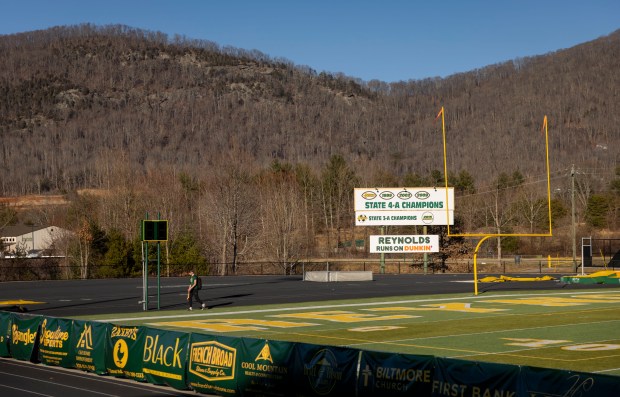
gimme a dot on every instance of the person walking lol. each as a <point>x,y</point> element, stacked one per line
<point>192,291</point>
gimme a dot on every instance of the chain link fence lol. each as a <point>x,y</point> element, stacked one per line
<point>54,268</point>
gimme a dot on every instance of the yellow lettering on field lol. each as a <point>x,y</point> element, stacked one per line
<point>611,298</point>
<point>234,325</point>
<point>450,307</point>
<point>343,316</point>
<point>548,301</point>
<point>539,343</point>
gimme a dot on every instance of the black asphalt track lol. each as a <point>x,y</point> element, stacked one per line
<point>86,297</point>
<point>24,379</point>
<point>90,297</point>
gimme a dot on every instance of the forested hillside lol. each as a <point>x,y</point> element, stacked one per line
<point>70,95</point>
<point>186,127</point>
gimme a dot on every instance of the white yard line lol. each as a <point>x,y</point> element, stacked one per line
<point>606,370</point>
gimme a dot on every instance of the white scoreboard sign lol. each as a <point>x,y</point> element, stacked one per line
<point>404,206</point>
<point>405,243</point>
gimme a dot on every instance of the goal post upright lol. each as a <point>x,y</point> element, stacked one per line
<point>485,236</point>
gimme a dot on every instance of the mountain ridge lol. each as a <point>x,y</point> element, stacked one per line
<point>77,98</point>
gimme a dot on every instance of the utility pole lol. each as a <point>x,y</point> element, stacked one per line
<point>382,265</point>
<point>424,231</point>
<point>572,213</point>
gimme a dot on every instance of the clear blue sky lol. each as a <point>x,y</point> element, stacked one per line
<point>380,39</point>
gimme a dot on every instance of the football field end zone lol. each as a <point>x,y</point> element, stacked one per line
<point>329,333</point>
<point>529,345</point>
<point>536,355</point>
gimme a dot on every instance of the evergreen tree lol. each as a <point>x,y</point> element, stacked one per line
<point>596,211</point>
<point>464,183</point>
<point>185,255</point>
<point>118,260</point>
<point>615,184</point>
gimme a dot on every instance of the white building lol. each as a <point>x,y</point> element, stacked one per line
<point>29,239</point>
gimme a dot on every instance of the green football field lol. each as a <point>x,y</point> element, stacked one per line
<point>570,330</point>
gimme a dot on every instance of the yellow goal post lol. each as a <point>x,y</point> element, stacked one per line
<point>485,236</point>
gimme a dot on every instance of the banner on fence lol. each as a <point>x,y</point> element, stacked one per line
<point>393,374</point>
<point>5,333</point>
<point>324,371</point>
<point>54,342</point>
<point>229,366</point>
<point>265,368</point>
<point>24,342</point>
<point>88,342</point>
<point>164,357</point>
<point>552,382</point>
<point>404,243</point>
<point>472,378</point>
<point>124,350</point>
<point>212,364</point>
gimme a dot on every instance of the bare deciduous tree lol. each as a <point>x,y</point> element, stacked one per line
<point>281,204</point>
<point>233,212</point>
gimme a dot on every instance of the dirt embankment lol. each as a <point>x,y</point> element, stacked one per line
<point>39,200</point>
<point>24,202</point>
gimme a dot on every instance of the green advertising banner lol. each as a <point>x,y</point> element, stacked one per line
<point>324,370</point>
<point>5,333</point>
<point>164,357</point>
<point>548,382</point>
<point>212,364</point>
<point>24,343</point>
<point>473,379</point>
<point>124,348</point>
<point>88,346</point>
<point>393,374</point>
<point>229,366</point>
<point>265,368</point>
<point>54,345</point>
